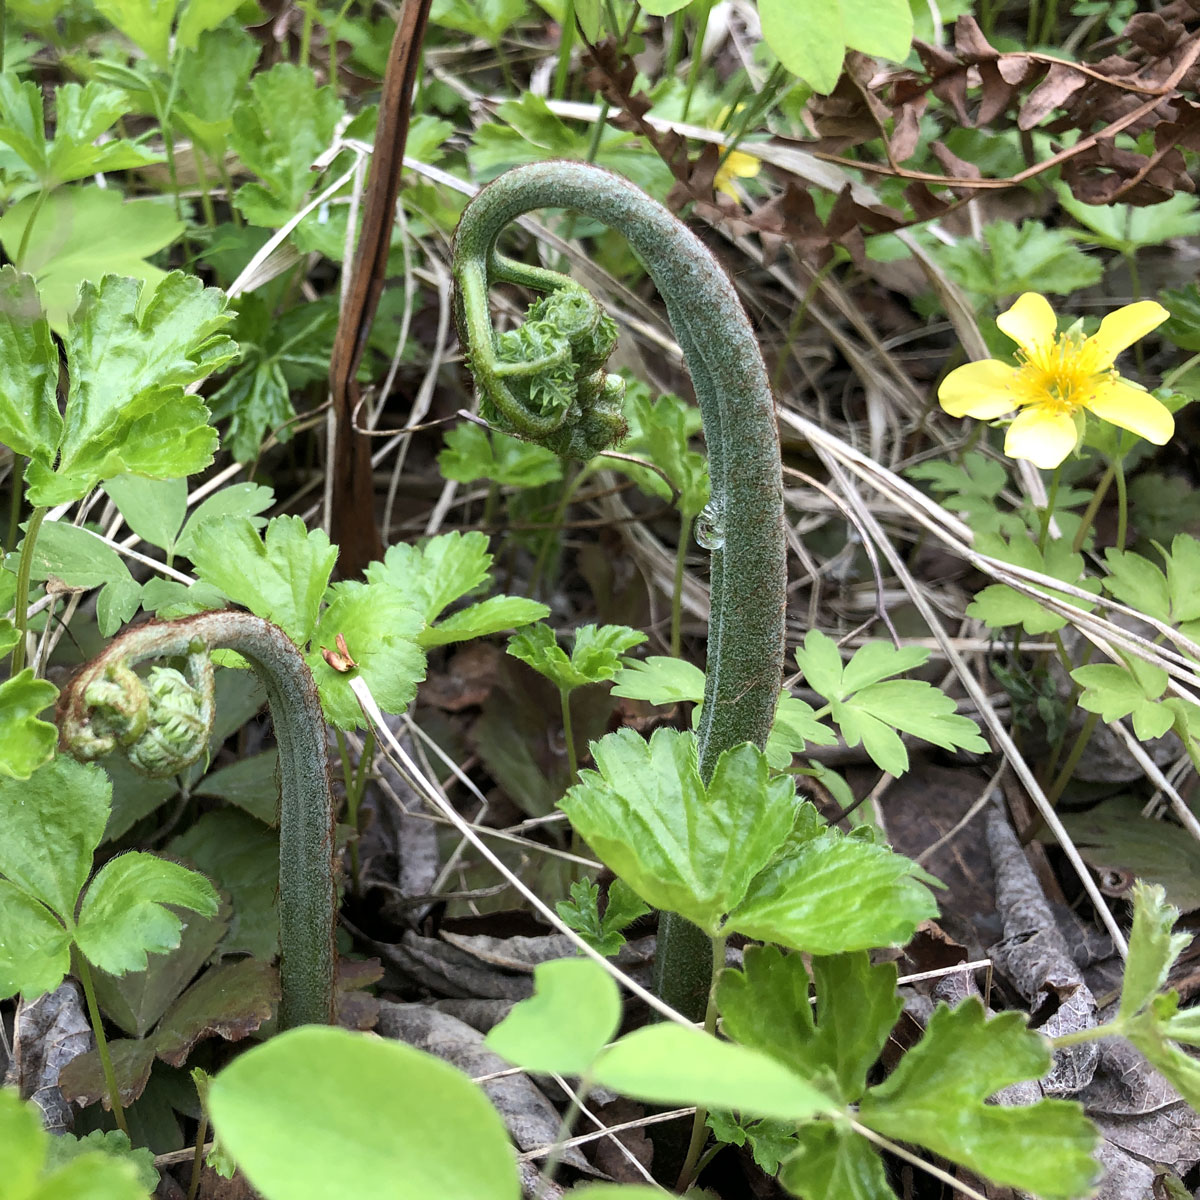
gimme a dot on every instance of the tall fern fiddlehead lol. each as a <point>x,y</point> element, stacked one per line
<point>163,722</point>
<point>544,382</point>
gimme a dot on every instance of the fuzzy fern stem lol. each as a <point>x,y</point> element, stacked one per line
<point>155,721</point>
<point>545,383</point>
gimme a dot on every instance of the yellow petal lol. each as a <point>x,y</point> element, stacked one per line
<point>978,390</point>
<point>744,166</point>
<point>1121,403</point>
<point>1123,327</point>
<point>1040,434</point>
<point>1030,322</point>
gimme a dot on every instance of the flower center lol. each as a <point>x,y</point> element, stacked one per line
<point>1061,375</point>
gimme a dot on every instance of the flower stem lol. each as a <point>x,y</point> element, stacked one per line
<point>1093,506</point>
<point>1118,465</point>
<point>564,696</point>
<point>307,895</point>
<point>685,530</point>
<point>1048,511</point>
<point>106,1063</point>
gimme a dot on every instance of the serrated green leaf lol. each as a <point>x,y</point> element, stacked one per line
<point>1183,325</point>
<point>473,452</point>
<point>680,846</point>
<point>321,1108</point>
<point>1136,581</point>
<point>595,656</point>
<point>123,916</point>
<point>281,577</point>
<point>113,1144</point>
<point>673,1064</point>
<point>582,914</point>
<point>1127,228</point>
<point>936,1098</point>
<point>35,949</point>
<point>279,131</point>
<point>1153,948</point>
<point>572,1015</point>
<point>50,825</point>
<point>433,576</point>
<point>147,23</point>
<point>86,233</point>
<point>660,679</point>
<point>833,1162</point>
<point>496,614</point>
<point>487,19</point>
<point>127,410</point>
<point>794,730</point>
<point>833,894</point>
<point>153,508</point>
<point>219,66</point>
<point>30,423</point>
<point>25,742</point>
<point>380,628</point>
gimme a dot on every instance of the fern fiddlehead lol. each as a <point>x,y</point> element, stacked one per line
<point>163,723</point>
<point>548,386</point>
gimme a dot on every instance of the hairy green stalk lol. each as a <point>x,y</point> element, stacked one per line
<point>545,382</point>
<point>163,722</point>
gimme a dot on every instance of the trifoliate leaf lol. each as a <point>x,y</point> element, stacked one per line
<point>595,657</point>
<point>25,742</point>
<point>766,1005</point>
<point>35,949</point>
<point>1127,228</point>
<point>680,846</point>
<point>582,914</point>
<point>86,233</point>
<point>279,131</point>
<point>473,453</point>
<point>833,1162</point>
<point>832,894</point>
<point>795,729</point>
<point>936,1098</point>
<point>50,825</point>
<point>1000,605</point>
<point>126,406</point>
<point>972,489</point>
<point>380,629</point>
<point>124,915</point>
<point>1132,689</point>
<point>573,1014</point>
<point>675,1064</point>
<point>1173,596</point>
<point>30,423</point>
<point>81,116</point>
<point>869,707</point>
<point>281,577</point>
<point>770,1142</point>
<point>660,679</point>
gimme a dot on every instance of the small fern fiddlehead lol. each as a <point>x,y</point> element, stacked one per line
<point>745,643</point>
<point>163,722</point>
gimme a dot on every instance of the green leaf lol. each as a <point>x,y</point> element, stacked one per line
<point>971,488</point>
<point>1019,258</point>
<point>81,560</point>
<point>146,23</point>
<point>1183,325</point>
<point>834,1162</point>
<point>770,1141</point>
<point>123,916</point>
<point>30,423</point>
<point>323,1112</point>
<point>573,1014</point>
<point>869,707</point>
<point>113,1144</point>
<point>380,628</point>
<point>496,614</point>
<point>1000,605</point>
<point>1153,948</point>
<point>50,825</point>
<point>250,783</point>
<point>284,125</point>
<point>766,1006</point>
<point>936,1098</point>
<point>1133,689</point>
<point>582,914</point>
<point>233,500</point>
<point>833,894</point>
<point>595,657</point>
<point>219,66</point>
<point>795,729</point>
<point>486,19</point>
<point>85,233</point>
<point>126,407</point>
<point>1126,228</point>
<point>807,37</point>
<point>473,453</point>
<point>35,949</point>
<point>201,16</point>
<point>660,679</point>
<point>678,845</point>
<point>880,27</point>
<point>25,742</point>
<point>281,577</point>
<point>153,508</point>
<point>674,1064</point>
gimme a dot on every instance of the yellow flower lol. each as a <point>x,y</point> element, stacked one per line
<point>1058,376</point>
<point>737,164</point>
